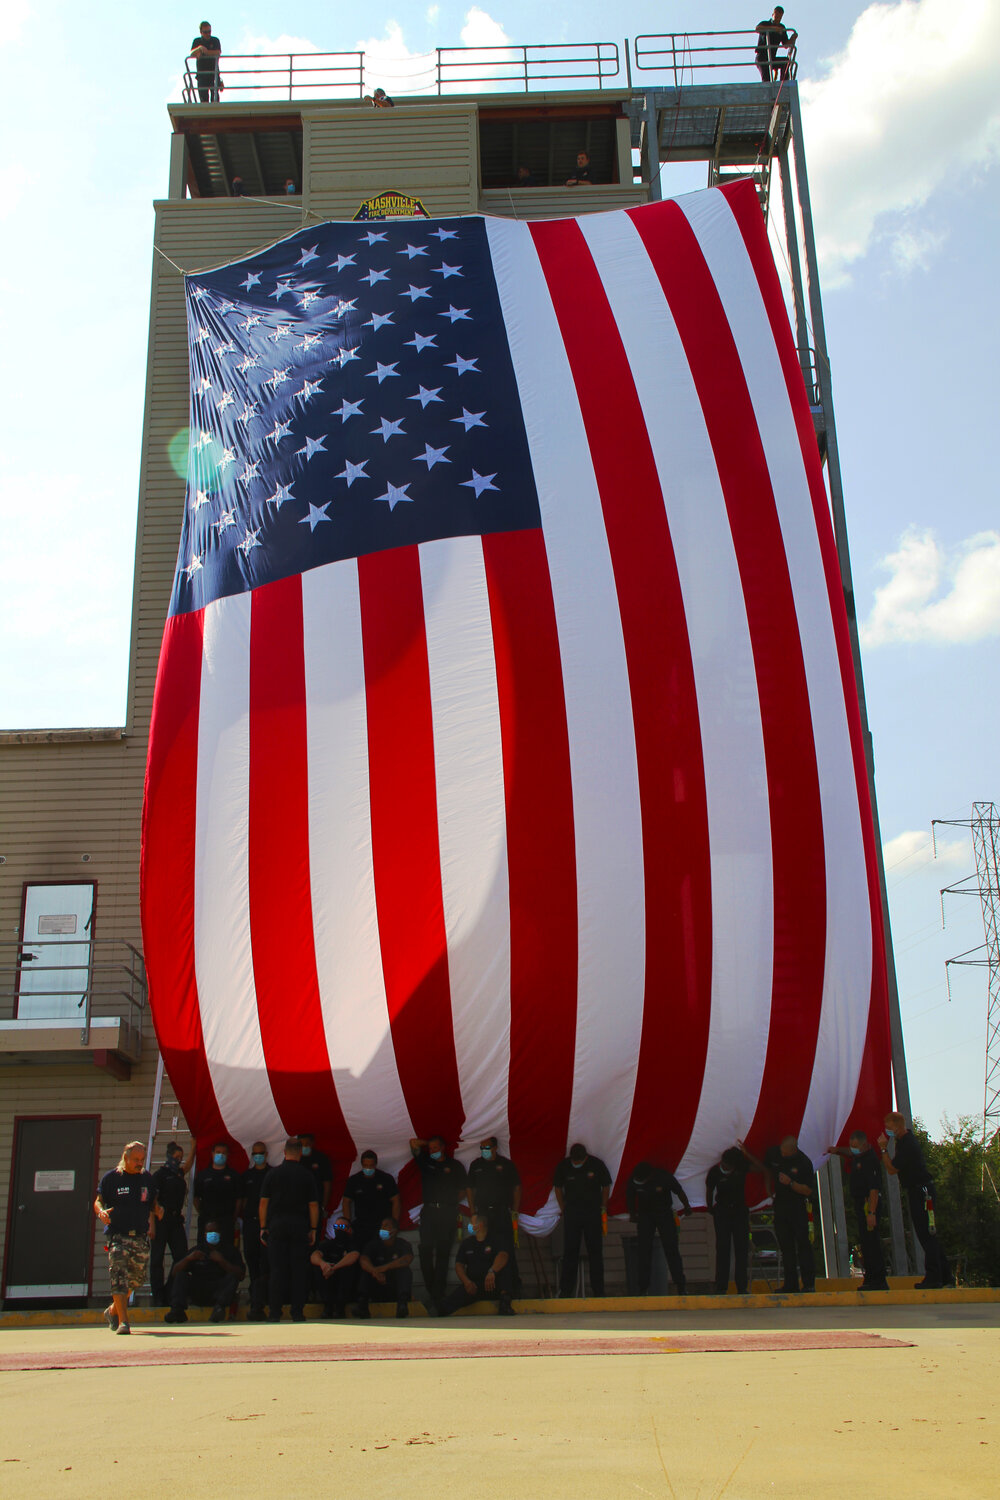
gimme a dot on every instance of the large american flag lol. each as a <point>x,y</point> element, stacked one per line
<point>506,770</point>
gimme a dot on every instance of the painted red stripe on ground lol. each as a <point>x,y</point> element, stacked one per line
<point>284,959</point>
<point>874,1094</point>
<point>167,876</point>
<point>405,840</point>
<point>541,857</point>
<point>156,1352</point>
<point>799,878</point>
<point>675,844</point>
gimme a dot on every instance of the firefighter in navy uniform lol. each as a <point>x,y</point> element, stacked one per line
<point>864,1175</point>
<point>217,1191</point>
<point>320,1165</point>
<point>253,1247</point>
<point>725,1198</point>
<point>370,1196</point>
<point>793,1185</point>
<point>583,1184</point>
<point>336,1259</point>
<point>909,1166</point>
<point>385,1271</point>
<point>483,1269</point>
<point>495,1190</point>
<point>442,1184</point>
<point>171,1191</point>
<point>209,1276</point>
<point>289,1217</point>
<point>649,1196</point>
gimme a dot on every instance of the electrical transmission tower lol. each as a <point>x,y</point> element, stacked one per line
<point>985,828</point>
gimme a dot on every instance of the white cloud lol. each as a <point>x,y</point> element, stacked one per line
<point>913,100</point>
<point>256,42</point>
<point>914,850</point>
<point>433,11</point>
<point>936,596</point>
<point>480,30</point>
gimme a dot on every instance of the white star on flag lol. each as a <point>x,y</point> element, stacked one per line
<point>316,514</point>
<point>432,456</point>
<point>394,494</point>
<point>351,472</point>
<point>480,482</point>
<point>470,419</point>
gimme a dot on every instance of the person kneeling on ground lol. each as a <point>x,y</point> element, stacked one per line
<point>385,1271</point>
<point>483,1271</point>
<point>335,1260</point>
<point>208,1276</point>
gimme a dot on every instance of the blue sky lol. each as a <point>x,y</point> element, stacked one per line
<point>902,131</point>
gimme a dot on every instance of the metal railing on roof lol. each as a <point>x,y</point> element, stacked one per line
<point>51,979</point>
<point>732,55</point>
<point>741,54</point>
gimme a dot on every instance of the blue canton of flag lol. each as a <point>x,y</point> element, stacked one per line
<point>351,391</point>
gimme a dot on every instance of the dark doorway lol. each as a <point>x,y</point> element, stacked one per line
<point>50,1224</point>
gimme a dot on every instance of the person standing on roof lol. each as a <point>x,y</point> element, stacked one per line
<point>206,49</point>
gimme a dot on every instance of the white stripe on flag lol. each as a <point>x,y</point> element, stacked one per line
<point>726,686</point>
<point>607,818</point>
<point>472,829</point>
<point>847,973</point>
<point>345,921</point>
<point>223,954</point>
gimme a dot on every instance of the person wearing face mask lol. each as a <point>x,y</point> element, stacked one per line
<point>370,1195</point>
<point>725,1198</point>
<point>209,1276</point>
<point>253,1248</point>
<point>583,1185</point>
<point>864,1175</point>
<point>907,1163</point>
<point>171,1191</point>
<point>792,1186</point>
<point>217,1190</point>
<point>335,1259</point>
<point>495,1190</point>
<point>320,1165</point>
<point>649,1196</point>
<point>385,1271</point>
<point>442,1180</point>
<point>289,1218</point>
<point>483,1269</point>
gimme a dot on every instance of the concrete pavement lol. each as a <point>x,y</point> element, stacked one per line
<point>736,1402</point>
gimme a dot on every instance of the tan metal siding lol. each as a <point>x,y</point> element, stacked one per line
<point>558,202</point>
<point>431,153</point>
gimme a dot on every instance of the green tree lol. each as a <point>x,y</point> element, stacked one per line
<point>966,1204</point>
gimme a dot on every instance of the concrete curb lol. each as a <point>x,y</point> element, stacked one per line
<point>904,1296</point>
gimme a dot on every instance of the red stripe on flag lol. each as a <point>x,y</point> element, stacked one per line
<point>167,876</point>
<point>284,959</point>
<point>675,844</point>
<point>874,1084</point>
<point>541,857</point>
<point>405,851</point>
<point>799,877</point>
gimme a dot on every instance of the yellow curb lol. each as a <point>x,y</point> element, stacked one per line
<point>900,1296</point>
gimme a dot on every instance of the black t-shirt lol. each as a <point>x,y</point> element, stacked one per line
<point>864,1172</point>
<point>799,1168</point>
<point>129,1196</point>
<point>493,1183</point>
<point>171,1190</point>
<point>217,1190</point>
<point>442,1182</point>
<point>289,1189</point>
<point>770,34</point>
<point>370,1197</point>
<point>653,1195</point>
<point>207,64</point>
<point>381,1252</point>
<point>206,1274</point>
<point>333,1251</point>
<point>582,1186</point>
<point>321,1167</point>
<point>726,1191</point>
<point>477,1256</point>
<point>253,1181</point>
<point>909,1163</point>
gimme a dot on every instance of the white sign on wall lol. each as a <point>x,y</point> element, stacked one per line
<point>55,1182</point>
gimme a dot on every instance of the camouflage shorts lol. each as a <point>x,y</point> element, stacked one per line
<point>128,1261</point>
